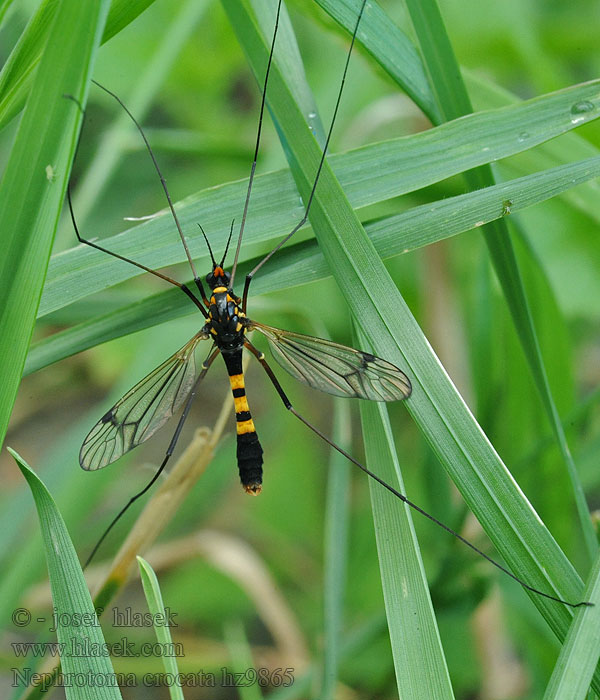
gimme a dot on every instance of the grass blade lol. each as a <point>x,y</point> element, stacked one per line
<point>581,650</point>
<point>423,652</point>
<point>335,551</point>
<point>17,73</point>
<point>161,626</point>
<point>78,630</point>
<point>393,235</point>
<point>417,650</point>
<point>454,102</point>
<point>241,662</point>
<point>110,149</point>
<point>400,58</point>
<point>34,182</point>
<point>369,175</point>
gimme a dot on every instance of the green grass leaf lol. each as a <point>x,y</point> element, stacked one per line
<point>302,263</point>
<point>17,73</point>
<point>115,139</point>
<point>416,645</point>
<point>337,517</point>
<point>580,652</point>
<point>368,175</point>
<point>454,102</point>
<point>78,631</point>
<point>242,664</point>
<point>161,628</point>
<point>390,46</point>
<point>34,181</point>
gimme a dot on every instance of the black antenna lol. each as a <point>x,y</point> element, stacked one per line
<point>212,257</point>
<point>228,242</point>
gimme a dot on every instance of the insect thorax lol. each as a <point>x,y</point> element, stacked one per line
<point>225,320</point>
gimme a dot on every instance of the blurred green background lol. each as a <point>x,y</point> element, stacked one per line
<point>201,121</point>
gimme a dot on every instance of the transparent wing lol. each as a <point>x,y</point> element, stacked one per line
<point>333,368</point>
<point>143,410</point>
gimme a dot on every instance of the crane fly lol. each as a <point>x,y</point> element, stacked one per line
<point>320,364</point>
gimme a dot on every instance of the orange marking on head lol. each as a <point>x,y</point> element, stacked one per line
<point>253,489</point>
<point>218,271</point>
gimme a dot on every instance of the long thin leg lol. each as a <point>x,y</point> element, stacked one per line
<point>205,367</point>
<point>258,135</point>
<point>184,288</point>
<point>304,219</point>
<point>261,358</point>
<point>163,182</point>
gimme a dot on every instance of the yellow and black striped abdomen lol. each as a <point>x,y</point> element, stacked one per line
<point>249,450</point>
